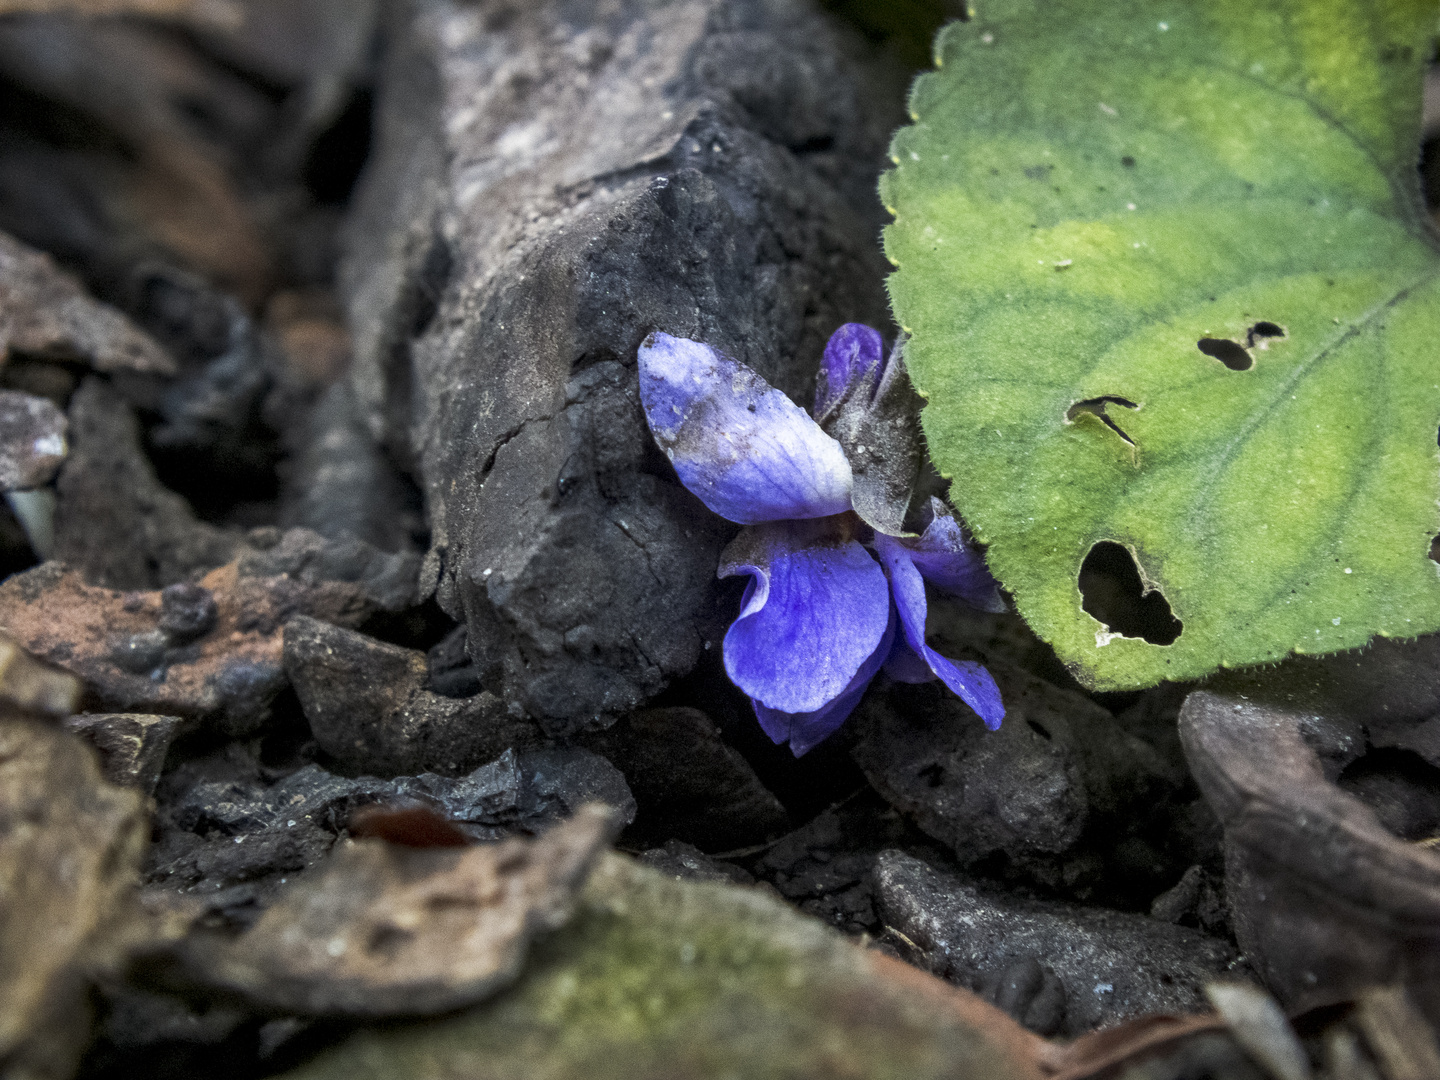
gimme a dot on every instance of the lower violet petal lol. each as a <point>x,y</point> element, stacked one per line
<point>970,681</point>
<point>805,731</point>
<point>816,611</point>
<point>904,665</point>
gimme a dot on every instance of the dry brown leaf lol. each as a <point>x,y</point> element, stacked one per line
<point>70,849</point>
<point>388,930</point>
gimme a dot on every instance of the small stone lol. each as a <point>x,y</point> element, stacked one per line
<point>1060,792</point>
<point>115,522</point>
<point>682,860</point>
<point>369,706</point>
<point>1030,992</point>
<point>140,654</point>
<point>132,746</point>
<point>187,612</point>
<point>1112,965</point>
<point>32,441</point>
<point>688,784</point>
<point>452,672</point>
<point>48,313</point>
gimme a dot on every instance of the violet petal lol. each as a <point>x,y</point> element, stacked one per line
<point>805,731</point>
<point>852,357</point>
<point>749,452</point>
<point>970,681</point>
<point>946,560</point>
<point>904,665</point>
<point>815,611</point>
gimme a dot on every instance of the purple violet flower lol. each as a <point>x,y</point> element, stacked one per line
<point>837,588</point>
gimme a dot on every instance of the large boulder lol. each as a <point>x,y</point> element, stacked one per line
<point>550,184</point>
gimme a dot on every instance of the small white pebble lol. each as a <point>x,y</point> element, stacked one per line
<point>1130,206</point>
<point>987,39</point>
<point>1163,26</point>
<point>1335,621</point>
<point>1104,988</point>
<point>335,946</point>
<point>1348,570</point>
<point>290,824</point>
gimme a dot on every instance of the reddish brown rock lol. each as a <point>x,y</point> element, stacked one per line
<point>113,641</point>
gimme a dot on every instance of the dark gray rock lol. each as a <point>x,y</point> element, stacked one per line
<point>1112,965</point>
<point>825,867</point>
<point>1198,900</point>
<point>338,482</point>
<point>682,860</point>
<point>452,672</point>
<point>229,835</point>
<point>688,784</point>
<point>1060,795</point>
<point>386,579</point>
<point>369,707</point>
<point>187,611</point>
<point>132,746</point>
<point>1323,898</point>
<point>115,522</point>
<point>548,188</point>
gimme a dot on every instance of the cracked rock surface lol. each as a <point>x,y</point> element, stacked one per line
<point>548,188</point>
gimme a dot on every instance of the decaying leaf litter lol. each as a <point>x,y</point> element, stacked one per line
<point>370,615</point>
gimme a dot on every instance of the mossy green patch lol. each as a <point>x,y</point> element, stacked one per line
<point>663,978</point>
<point>1091,192</point>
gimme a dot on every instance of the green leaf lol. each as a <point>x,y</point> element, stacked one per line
<point>1092,187</point>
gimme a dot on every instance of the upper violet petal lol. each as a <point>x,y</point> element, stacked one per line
<point>748,451</point>
<point>816,611</point>
<point>945,559</point>
<point>970,681</point>
<point>805,731</point>
<point>852,358</point>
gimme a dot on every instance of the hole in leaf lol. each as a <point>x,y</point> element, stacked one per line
<point>1128,161</point>
<point>1096,408</point>
<point>1230,353</point>
<point>1262,330</point>
<point>1435,548</point>
<point>1114,594</point>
